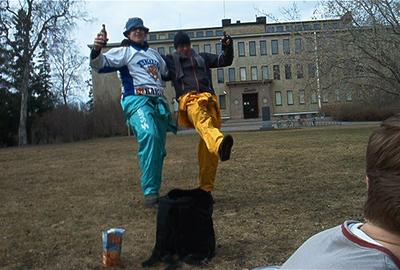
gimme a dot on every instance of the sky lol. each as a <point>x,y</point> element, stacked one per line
<point>174,15</point>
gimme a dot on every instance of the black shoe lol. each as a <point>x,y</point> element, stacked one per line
<point>151,200</point>
<point>225,148</point>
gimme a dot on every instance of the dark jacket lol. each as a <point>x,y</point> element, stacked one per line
<point>195,73</point>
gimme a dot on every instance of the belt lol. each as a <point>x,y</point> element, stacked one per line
<point>146,91</point>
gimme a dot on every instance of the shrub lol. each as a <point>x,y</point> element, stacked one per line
<point>359,111</point>
<point>68,124</point>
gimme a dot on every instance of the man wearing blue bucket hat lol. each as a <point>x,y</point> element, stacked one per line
<point>143,102</point>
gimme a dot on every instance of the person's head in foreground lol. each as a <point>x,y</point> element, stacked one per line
<point>374,244</point>
<point>382,207</point>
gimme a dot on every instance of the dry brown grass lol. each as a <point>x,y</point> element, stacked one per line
<point>279,188</point>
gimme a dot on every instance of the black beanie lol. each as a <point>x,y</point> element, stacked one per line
<point>181,38</point>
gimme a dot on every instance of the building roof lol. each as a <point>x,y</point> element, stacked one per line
<point>276,28</point>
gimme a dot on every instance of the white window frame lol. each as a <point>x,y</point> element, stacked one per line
<point>243,74</point>
<point>254,73</point>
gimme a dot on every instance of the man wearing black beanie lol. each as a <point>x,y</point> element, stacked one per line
<point>198,106</point>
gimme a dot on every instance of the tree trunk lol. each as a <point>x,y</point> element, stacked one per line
<point>22,132</point>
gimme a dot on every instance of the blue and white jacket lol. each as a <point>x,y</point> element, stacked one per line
<point>140,69</point>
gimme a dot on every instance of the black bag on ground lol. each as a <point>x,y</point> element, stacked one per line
<point>184,228</point>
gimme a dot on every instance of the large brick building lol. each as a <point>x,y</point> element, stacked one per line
<point>275,69</point>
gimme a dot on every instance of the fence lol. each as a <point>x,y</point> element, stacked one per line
<point>299,123</point>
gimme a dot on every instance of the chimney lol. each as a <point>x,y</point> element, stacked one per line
<point>261,20</point>
<point>226,22</point>
<point>237,21</point>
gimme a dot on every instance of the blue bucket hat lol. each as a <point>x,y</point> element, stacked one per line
<point>134,23</point>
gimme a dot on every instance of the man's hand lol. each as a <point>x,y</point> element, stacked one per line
<point>99,42</point>
<point>226,40</point>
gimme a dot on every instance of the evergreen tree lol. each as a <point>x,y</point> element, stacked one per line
<point>42,98</point>
<point>23,25</point>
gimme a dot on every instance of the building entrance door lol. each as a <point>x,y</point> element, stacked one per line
<point>250,105</point>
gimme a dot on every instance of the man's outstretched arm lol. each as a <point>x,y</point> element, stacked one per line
<point>223,59</point>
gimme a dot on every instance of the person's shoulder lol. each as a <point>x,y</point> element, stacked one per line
<point>324,236</point>
<point>149,49</point>
<point>154,52</point>
<point>118,49</point>
<point>167,58</point>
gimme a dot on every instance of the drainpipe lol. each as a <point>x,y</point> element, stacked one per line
<point>317,70</point>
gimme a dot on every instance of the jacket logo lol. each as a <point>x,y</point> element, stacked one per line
<point>153,71</point>
<point>151,66</point>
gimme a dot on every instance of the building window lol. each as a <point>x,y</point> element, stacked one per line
<point>298,46</point>
<point>324,97</point>
<point>311,70</point>
<point>254,75</point>
<point>200,34</point>
<point>302,97</point>
<point>298,27</point>
<point>162,36</point>
<point>307,26</point>
<point>241,48</point>
<point>222,102</point>
<point>349,96</point>
<point>337,94</point>
<point>317,26</point>
<point>220,75</point>
<point>191,34</point>
<point>161,50</point>
<point>290,97</point>
<point>279,28</point>
<point>289,28</point>
<point>218,48</point>
<point>277,72</point>
<point>252,48</point>
<point>231,74</point>
<point>196,48</point>
<point>243,75</point>
<point>171,49</point>
<point>314,97</point>
<point>299,71</point>
<point>219,33</point>
<point>171,36</point>
<point>265,73</point>
<point>263,47</point>
<point>278,98</point>
<point>288,72</point>
<point>209,33</point>
<point>207,48</point>
<point>286,46</point>
<point>270,29</point>
<point>309,45</point>
<point>274,47</point>
<point>153,37</point>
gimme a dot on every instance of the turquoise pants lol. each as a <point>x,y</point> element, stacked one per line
<point>149,122</point>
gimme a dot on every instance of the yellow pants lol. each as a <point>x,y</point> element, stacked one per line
<point>201,111</point>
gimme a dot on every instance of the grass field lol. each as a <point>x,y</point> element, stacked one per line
<point>279,188</point>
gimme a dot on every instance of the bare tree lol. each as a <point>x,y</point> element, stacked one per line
<point>67,63</point>
<point>371,61</point>
<point>36,17</point>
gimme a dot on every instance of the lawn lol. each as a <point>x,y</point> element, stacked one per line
<point>279,188</point>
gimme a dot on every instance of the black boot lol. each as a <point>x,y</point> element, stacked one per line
<point>225,148</point>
